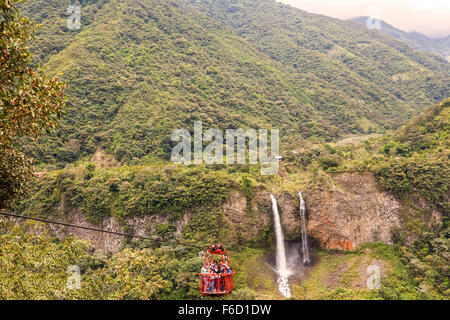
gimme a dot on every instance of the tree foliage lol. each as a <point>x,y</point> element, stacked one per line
<point>33,265</point>
<point>30,102</point>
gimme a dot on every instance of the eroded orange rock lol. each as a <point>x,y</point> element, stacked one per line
<point>335,244</point>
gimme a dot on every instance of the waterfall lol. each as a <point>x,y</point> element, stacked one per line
<point>305,249</point>
<point>282,270</point>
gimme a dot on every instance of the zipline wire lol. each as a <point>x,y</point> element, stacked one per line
<point>71,225</point>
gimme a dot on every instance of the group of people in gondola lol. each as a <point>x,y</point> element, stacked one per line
<point>216,277</point>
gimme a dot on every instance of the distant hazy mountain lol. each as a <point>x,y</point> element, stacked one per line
<point>417,40</point>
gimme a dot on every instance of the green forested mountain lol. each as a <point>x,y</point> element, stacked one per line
<point>137,70</point>
<point>349,57</point>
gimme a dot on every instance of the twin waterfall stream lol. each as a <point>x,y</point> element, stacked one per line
<point>305,248</point>
<point>282,269</point>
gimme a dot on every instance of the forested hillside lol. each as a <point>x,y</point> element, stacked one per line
<point>137,70</point>
<point>364,64</point>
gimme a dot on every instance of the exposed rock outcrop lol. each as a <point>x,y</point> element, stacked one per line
<point>289,214</point>
<point>143,226</point>
<point>103,241</point>
<point>247,222</point>
<point>352,211</point>
<point>243,223</point>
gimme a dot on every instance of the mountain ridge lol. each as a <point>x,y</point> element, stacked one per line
<point>439,46</point>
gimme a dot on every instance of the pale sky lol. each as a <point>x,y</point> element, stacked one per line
<point>430,17</point>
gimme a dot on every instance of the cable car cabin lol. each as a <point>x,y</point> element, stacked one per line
<point>216,282</point>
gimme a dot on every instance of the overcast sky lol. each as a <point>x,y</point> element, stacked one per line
<point>430,17</point>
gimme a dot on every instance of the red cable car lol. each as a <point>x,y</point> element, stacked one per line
<point>212,283</point>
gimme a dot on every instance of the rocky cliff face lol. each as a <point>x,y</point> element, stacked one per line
<point>289,214</point>
<point>352,211</point>
<point>346,212</point>
<point>243,222</point>
<point>247,221</point>
<point>106,242</point>
<point>342,214</point>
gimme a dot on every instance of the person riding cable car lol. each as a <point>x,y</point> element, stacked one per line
<point>216,278</point>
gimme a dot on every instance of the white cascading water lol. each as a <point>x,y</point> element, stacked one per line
<point>305,248</point>
<point>282,270</point>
